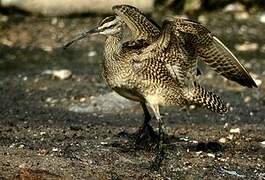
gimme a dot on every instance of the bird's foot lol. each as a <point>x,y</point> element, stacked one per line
<point>146,137</point>
<point>160,154</point>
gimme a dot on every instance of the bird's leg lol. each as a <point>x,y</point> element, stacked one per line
<point>155,165</point>
<point>147,116</point>
<point>146,135</point>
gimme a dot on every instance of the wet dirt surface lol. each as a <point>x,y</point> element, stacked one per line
<point>41,137</point>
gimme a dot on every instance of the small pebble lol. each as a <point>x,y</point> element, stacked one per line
<point>43,152</point>
<point>103,143</point>
<point>226,125</point>
<point>234,7</point>
<point>222,140</point>
<point>54,21</point>
<point>241,15</point>
<point>42,133</point>
<point>184,139</point>
<point>25,78</point>
<point>54,149</point>
<point>211,155</point>
<point>247,99</point>
<point>51,100</point>
<point>222,159</point>
<point>82,99</point>
<point>262,144</point>
<point>262,18</point>
<point>62,74</point>
<point>91,53</point>
<point>234,130</point>
<point>21,146</point>
<point>247,46</point>
<point>12,145</point>
<point>198,153</point>
<point>230,137</point>
<point>46,48</point>
<point>23,165</point>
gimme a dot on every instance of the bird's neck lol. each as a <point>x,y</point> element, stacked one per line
<point>113,58</point>
<point>113,46</point>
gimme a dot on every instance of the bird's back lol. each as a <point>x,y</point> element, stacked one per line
<point>160,64</point>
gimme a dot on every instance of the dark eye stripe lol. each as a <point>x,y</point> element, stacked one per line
<point>109,27</point>
<point>107,19</point>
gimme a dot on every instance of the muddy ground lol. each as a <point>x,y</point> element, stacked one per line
<point>42,137</point>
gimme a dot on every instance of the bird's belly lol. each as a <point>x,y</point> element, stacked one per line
<point>131,94</point>
<point>169,96</point>
<point>124,86</point>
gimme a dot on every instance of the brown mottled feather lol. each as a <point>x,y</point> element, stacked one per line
<point>198,40</point>
<point>207,99</point>
<point>159,67</point>
<point>141,27</point>
<point>225,63</point>
<point>213,52</point>
<point>169,47</point>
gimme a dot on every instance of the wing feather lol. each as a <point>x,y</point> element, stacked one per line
<point>214,52</point>
<point>141,26</point>
<point>198,42</point>
<point>224,62</point>
<point>167,48</point>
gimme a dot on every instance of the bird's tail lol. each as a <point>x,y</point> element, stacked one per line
<point>199,96</point>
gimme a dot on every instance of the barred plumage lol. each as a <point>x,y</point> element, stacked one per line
<point>207,99</point>
<point>158,66</point>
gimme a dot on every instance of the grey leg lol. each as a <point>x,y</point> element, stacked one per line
<point>160,150</point>
<point>147,116</point>
<point>146,136</point>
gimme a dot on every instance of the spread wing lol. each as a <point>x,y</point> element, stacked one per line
<point>170,49</point>
<point>213,51</point>
<point>189,36</point>
<point>142,28</point>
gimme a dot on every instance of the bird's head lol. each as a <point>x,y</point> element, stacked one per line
<point>111,25</point>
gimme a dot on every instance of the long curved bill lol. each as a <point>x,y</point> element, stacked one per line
<point>81,36</point>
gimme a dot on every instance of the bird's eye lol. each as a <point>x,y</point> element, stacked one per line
<point>108,27</point>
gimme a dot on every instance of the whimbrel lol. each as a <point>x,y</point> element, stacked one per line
<point>157,66</point>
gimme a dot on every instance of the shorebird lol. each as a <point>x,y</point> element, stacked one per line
<point>157,66</point>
